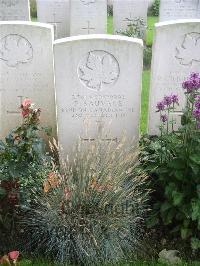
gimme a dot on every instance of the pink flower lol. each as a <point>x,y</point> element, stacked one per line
<point>25,113</point>
<point>13,255</point>
<point>26,103</point>
<point>26,107</point>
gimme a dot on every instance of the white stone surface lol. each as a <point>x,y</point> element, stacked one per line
<point>26,71</point>
<point>176,53</point>
<point>179,9</point>
<point>98,85</point>
<point>14,10</point>
<point>126,12</point>
<point>57,13</point>
<point>88,17</point>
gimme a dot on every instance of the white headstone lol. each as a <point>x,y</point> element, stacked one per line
<point>14,10</point>
<point>176,53</point>
<point>99,94</point>
<point>179,9</point>
<point>129,12</point>
<point>57,13</point>
<point>88,17</point>
<point>26,71</point>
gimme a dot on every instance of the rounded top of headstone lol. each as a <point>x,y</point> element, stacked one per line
<point>100,37</point>
<point>177,21</point>
<point>27,23</point>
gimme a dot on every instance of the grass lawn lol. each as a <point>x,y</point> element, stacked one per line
<point>140,263</point>
<point>144,101</point>
<point>150,30</point>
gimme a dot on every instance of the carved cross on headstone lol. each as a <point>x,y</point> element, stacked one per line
<point>130,18</point>
<point>55,24</point>
<point>88,28</point>
<point>175,118</point>
<point>99,134</point>
<point>20,98</point>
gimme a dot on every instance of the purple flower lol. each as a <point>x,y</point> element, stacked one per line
<point>196,114</point>
<point>193,83</point>
<point>174,98</point>
<point>167,100</point>
<point>194,75</point>
<point>163,118</point>
<point>188,86</point>
<point>160,106</point>
<point>197,104</point>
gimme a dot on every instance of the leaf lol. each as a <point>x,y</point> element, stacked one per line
<point>195,243</point>
<point>177,164</point>
<point>195,209</point>
<point>185,233</point>
<point>2,145</point>
<point>177,198</point>
<point>195,158</point>
<point>165,206</point>
<point>2,192</point>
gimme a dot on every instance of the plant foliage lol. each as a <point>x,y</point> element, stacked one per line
<point>173,161</point>
<point>23,164</point>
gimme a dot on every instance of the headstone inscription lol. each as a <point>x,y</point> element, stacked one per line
<point>99,94</point>
<point>26,71</point>
<point>14,10</point>
<point>179,9</point>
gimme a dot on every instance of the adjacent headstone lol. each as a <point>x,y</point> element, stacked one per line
<point>179,9</point>
<point>98,96</point>
<point>26,71</point>
<point>130,12</point>
<point>176,53</point>
<point>14,10</point>
<point>88,17</point>
<point>57,13</point>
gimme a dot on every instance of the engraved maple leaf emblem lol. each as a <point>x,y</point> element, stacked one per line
<point>99,70</point>
<point>15,50</point>
<point>189,51</point>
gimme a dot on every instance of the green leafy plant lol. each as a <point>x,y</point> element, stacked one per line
<point>33,7</point>
<point>135,28</point>
<point>91,213</point>
<point>23,165</point>
<point>147,57</point>
<point>173,161</point>
<point>154,10</point>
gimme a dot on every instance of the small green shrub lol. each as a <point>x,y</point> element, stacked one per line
<point>147,57</point>
<point>173,161</point>
<point>92,214</point>
<point>154,10</point>
<point>23,166</point>
<point>110,10</point>
<point>33,7</point>
<point>135,28</point>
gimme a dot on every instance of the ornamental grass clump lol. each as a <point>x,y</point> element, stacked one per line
<point>92,211</point>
